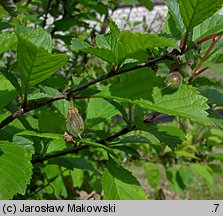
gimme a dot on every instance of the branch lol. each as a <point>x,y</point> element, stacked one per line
<point>73,150</point>
<point>46,14</point>
<point>125,130</point>
<point>68,93</point>
<point>28,108</point>
<point>197,70</point>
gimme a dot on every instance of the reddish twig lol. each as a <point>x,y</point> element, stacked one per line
<point>197,71</point>
<point>207,38</point>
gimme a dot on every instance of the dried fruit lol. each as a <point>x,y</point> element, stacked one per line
<point>68,138</point>
<point>185,70</point>
<point>74,122</point>
<point>173,80</point>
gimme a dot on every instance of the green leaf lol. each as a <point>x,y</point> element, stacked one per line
<point>129,1</point>
<point>213,94</point>
<point>52,122</point>
<point>119,184</point>
<point>185,154</point>
<point>15,170</point>
<point>216,67</point>
<point>40,134</point>
<point>147,3</point>
<point>126,149</point>
<point>216,156</point>
<point>37,36</point>
<point>185,102</point>
<point>7,91</point>
<point>168,135</point>
<point>216,118</point>
<point>153,175</point>
<point>174,23</point>
<point>99,110</point>
<point>174,180</point>
<point>62,105</point>
<point>13,80</point>
<point>71,163</point>
<point>204,172</point>
<point>105,54</point>
<point>56,145</point>
<point>36,64</point>
<point>140,84</point>
<point>96,145</point>
<point>186,175</point>
<point>212,25</point>
<point>132,42</point>
<point>7,41</point>
<point>195,12</point>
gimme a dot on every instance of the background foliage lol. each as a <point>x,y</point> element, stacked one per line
<point>142,139</point>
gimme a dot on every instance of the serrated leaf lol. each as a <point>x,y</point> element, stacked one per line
<point>105,54</point>
<point>132,42</point>
<point>168,135</point>
<point>174,23</point>
<point>37,36</point>
<point>212,25</point>
<point>185,102</point>
<point>15,170</point>
<point>195,12</point>
<point>119,184</point>
<point>36,64</point>
<point>7,41</point>
<point>7,91</point>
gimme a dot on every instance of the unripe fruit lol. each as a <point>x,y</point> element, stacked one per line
<point>185,70</point>
<point>173,80</point>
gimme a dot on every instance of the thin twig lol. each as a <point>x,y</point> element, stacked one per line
<point>68,93</point>
<point>46,13</point>
<point>197,71</point>
<point>75,150</point>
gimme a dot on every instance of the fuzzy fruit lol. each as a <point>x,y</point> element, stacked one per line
<point>74,122</point>
<point>173,80</point>
<point>185,70</point>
